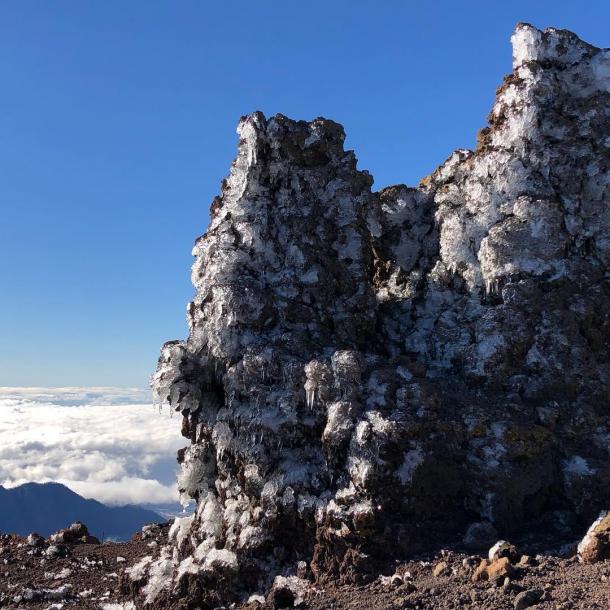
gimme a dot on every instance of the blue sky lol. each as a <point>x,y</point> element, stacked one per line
<point>117,124</point>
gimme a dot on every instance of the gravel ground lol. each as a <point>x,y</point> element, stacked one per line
<point>87,576</point>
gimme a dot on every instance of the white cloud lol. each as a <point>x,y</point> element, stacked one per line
<point>79,396</point>
<point>104,443</point>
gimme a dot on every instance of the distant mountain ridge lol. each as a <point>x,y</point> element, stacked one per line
<point>48,507</point>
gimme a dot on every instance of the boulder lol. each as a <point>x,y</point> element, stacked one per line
<point>595,546</point>
<point>441,569</point>
<point>367,373</point>
<point>502,548</point>
<point>527,599</point>
<point>76,533</point>
<point>492,570</point>
<point>34,540</point>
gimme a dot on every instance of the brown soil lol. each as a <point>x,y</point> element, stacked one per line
<point>91,570</point>
<point>94,572</point>
<point>560,584</point>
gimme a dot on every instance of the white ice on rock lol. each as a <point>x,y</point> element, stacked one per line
<point>139,570</point>
<point>160,575</point>
<point>360,362</point>
<point>413,459</point>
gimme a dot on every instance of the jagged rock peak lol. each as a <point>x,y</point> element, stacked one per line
<point>367,374</point>
<point>530,201</point>
<point>291,217</point>
<point>562,47</point>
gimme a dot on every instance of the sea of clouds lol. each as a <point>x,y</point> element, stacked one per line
<point>110,444</point>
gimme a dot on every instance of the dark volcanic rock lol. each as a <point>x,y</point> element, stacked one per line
<point>75,533</point>
<point>527,599</point>
<point>107,577</point>
<point>368,373</point>
<point>479,536</point>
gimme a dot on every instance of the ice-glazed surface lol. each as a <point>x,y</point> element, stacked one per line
<point>368,373</point>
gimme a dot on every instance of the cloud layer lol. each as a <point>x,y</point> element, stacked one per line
<point>110,444</point>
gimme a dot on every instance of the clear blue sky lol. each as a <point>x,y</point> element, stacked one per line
<point>117,123</point>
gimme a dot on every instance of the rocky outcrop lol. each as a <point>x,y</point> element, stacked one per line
<point>367,373</point>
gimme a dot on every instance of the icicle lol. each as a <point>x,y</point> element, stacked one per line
<point>310,393</point>
<point>492,286</point>
<point>309,397</point>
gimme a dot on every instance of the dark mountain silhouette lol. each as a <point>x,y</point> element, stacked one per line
<point>48,507</point>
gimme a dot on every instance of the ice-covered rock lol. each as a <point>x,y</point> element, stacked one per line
<point>75,533</point>
<point>35,540</point>
<point>501,549</point>
<point>595,546</point>
<point>37,595</point>
<point>368,372</point>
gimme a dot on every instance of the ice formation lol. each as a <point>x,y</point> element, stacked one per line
<point>368,373</point>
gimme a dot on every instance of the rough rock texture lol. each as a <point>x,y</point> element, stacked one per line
<point>72,569</point>
<point>368,374</point>
<point>101,577</point>
<point>595,546</point>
